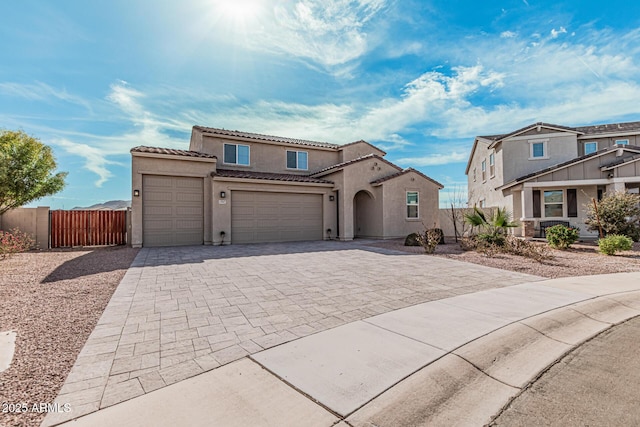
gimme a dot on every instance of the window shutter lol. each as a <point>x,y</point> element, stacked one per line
<point>537,211</point>
<point>572,202</point>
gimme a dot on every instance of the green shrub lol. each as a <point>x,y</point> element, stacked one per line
<point>412,240</point>
<point>613,243</point>
<point>14,241</point>
<point>561,237</point>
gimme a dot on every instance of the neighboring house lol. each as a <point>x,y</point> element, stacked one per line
<point>239,187</point>
<point>545,172</point>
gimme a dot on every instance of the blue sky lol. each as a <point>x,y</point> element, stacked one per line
<point>419,79</point>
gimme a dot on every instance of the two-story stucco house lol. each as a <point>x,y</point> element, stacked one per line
<point>239,187</point>
<point>545,172</point>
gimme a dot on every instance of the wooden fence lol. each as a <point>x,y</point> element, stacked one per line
<point>87,228</point>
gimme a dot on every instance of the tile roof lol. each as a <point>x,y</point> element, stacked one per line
<point>395,175</point>
<point>622,160</point>
<point>337,166</point>
<point>228,173</point>
<point>585,130</point>
<point>171,152</point>
<point>257,136</point>
<point>610,128</point>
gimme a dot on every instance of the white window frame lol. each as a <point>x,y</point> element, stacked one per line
<point>492,165</point>
<point>588,143</point>
<point>236,159</point>
<point>622,142</point>
<point>544,204</point>
<point>483,168</point>
<point>417,205</point>
<point>545,152</point>
<point>297,160</point>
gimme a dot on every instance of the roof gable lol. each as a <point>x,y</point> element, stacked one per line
<point>362,141</point>
<point>404,172</point>
<point>338,166</point>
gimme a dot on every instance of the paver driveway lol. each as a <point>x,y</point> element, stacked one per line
<point>181,311</point>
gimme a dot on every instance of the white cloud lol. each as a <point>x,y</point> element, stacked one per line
<point>330,33</point>
<point>508,35</point>
<point>41,92</point>
<point>555,33</point>
<point>435,159</point>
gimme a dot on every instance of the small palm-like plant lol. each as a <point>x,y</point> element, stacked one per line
<point>494,227</point>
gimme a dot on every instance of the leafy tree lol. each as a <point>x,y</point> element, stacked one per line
<point>26,170</point>
<point>618,212</point>
<point>494,227</point>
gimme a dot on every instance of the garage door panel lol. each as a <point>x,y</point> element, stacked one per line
<point>172,210</point>
<point>275,217</point>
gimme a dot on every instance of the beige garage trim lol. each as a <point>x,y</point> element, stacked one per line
<point>258,217</point>
<point>172,210</point>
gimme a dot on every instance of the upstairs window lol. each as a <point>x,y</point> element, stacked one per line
<point>538,150</point>
<point>484,170</point>
<point>297,160</point>
<point>412,204</point>
<point>492,165</point>
<point>236,154</point>
<point>590,147</point>
<point>622,142</point>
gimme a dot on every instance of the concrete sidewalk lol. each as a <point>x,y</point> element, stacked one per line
<point>455,361</point>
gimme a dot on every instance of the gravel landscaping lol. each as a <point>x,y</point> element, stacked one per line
<point>52,299</point>
<point>582,259</point>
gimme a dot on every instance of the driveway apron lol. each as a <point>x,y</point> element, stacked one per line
<point>182,311</point>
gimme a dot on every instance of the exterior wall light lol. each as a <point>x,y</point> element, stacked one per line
<point>223,194</point>
<point>332,198</point>
<point>136,193</point>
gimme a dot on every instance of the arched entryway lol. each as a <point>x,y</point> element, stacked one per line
<point>364,214</point>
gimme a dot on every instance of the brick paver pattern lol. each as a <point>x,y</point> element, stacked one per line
<point>182,311</point>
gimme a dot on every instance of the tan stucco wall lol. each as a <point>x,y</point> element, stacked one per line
<point>33,221</point>
<point>351,180</point>
<point>171,166</point>
<point>358,149</point>
<point>268,157</point>
<point>517,152</point>
<point>485,190</point>
<point>396,223</point>
<point>221,219</point>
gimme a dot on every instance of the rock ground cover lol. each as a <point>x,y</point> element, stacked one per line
<point>52,299</point>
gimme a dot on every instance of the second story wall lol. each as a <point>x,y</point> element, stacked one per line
<point>536,150</point>
<point>263,156</point>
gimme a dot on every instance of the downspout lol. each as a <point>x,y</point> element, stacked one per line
<point>338,214</point>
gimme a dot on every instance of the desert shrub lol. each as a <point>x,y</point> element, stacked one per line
<point>430,239</point>
<point>440,233</point>
<point>613,243</point>
<point>510,245</point>
<point>561,237</point>
<point>412,240</point>
<point>14,241</point>
<point>619,213</point>
<point>515,246</point>
<point>493,228</point>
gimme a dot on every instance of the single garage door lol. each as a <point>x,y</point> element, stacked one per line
<point>172,210</point>
<point>275,217</point>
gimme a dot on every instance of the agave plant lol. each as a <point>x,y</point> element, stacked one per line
<point>494,227</point>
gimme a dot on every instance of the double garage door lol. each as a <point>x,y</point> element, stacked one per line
<point>173,214</point>
<point>275,217</point>
<point>173,210</point>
